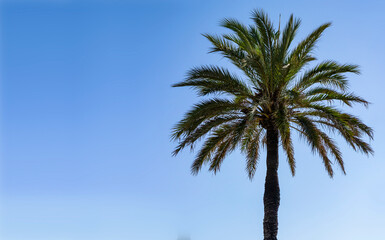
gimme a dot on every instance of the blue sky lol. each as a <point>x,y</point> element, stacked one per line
<point>86,112</point>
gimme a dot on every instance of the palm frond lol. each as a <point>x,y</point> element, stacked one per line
<point>313,136</point>
<point>204,111</point>
<point>250,145</point>
<point>327,73</point>
<point>301,55</point>
<point>245,41</point>
<point>216,146</point>
<point>283,125</point>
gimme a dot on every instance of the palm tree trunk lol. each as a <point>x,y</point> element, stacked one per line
<point>271,197</point>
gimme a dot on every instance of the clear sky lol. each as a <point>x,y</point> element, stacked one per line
<point>86,112</point>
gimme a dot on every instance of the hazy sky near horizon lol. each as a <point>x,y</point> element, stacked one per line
<point>87,108</point>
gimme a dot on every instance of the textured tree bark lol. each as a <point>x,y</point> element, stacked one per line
<point>271,197</point>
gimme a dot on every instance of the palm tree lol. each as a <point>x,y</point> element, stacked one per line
<point>274,97</point>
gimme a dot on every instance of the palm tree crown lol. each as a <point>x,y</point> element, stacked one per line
<point>275,92</point>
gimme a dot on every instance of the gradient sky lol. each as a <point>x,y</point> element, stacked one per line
<point>86,112</point>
